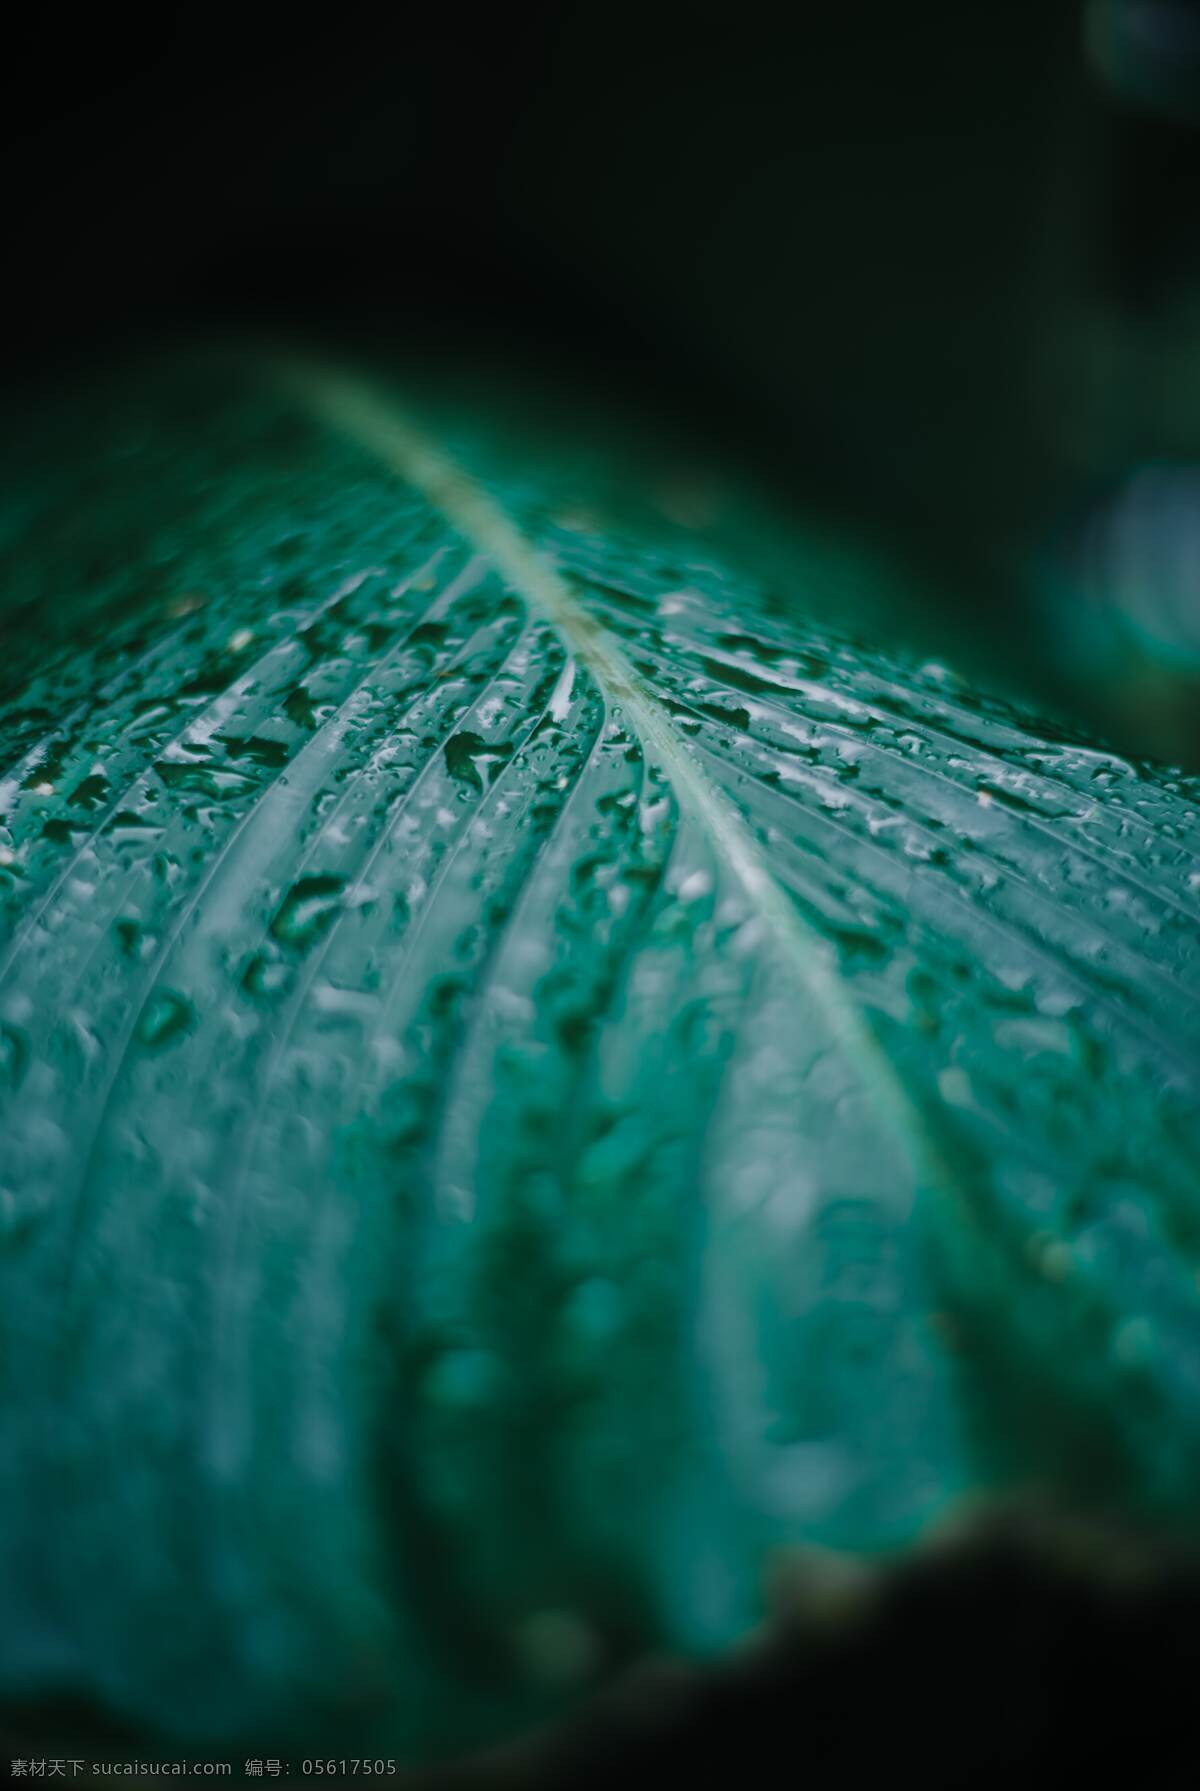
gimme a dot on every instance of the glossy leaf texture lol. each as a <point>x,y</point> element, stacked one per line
<point>540,1071</point>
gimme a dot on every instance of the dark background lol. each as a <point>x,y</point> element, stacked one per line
<point>934,268</point>
<point>872,236</point>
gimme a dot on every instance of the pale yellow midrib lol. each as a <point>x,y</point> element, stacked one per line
<point>352,408</point>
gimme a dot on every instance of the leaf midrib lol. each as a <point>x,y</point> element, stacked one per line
<point>383,429</point>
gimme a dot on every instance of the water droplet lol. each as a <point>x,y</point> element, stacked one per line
<point>466,752</point>
<point>307,909</point>
<point>165,1017</point>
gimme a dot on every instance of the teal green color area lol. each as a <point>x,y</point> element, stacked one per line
<point>541,1066</point>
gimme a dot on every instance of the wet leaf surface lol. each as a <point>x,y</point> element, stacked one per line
<point>540,1069</point>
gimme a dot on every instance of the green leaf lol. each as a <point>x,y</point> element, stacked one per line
<point>540,1072</point>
